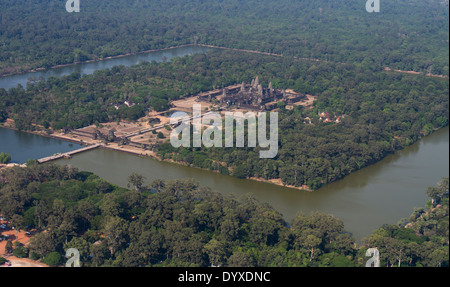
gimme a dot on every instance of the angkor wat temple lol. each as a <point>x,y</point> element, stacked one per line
<point>250,96</point>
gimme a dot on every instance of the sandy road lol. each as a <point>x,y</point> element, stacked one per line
<point>22,262</point>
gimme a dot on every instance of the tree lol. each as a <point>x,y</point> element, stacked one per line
<point>42,212</point>
<point>68,225</point>
<point>81,245</point>
<point>86,210</point>
<point>32,162</point>
<point>158,184</point>
<point>216,252</point>
<point>109,205</point>
<point>240,172</point>
<point>341,261</point>
<point>325,226</point>
<point>20,252</point>
<point>52,259</point>
<point>99,253</point>
<point>137,181</point>
<point>115,233</point>
<point>281,105</point>
<point>311,242</point>
<point>42,243</point>
<point>3,116</point>
<point>9,247</point>
<point>396,250</point>
<point>241,259</point>
<point>17,221</point>
<point>343,244</point>
<point>229,228</point>
<point>5,158</point>
<point>264,231</point>
<point>438,193</point>
<point>103,186</point>
<point>439,256</point>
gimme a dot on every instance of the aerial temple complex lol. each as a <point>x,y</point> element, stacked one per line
<point>250,96</point>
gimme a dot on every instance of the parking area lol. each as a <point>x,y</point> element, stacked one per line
<point>21,236</point>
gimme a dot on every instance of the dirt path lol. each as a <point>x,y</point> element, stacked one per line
<point>22,262</point>
<point>415,73</point>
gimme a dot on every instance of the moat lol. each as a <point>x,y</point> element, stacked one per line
<point>382,193</point>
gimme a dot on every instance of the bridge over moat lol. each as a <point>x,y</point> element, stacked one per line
<point>67,154</point>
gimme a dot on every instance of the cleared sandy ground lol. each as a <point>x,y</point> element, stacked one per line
<point>21,262</point>
<point>18,262</point>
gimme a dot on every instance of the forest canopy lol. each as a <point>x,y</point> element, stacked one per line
<point>180,223</point>
<point>331,49</point>
<point>406,34</point>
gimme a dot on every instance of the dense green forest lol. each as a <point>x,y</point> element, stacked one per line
<point>383,111</point>
<point>406,34</point>
<point>179,223</point>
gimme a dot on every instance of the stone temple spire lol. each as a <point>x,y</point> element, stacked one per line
<point>256,82</point>
<point>260,90</point>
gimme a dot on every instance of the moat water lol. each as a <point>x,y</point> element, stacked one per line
<point>381,193</point>
<point>91,67</point>
<point>24,146</point>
